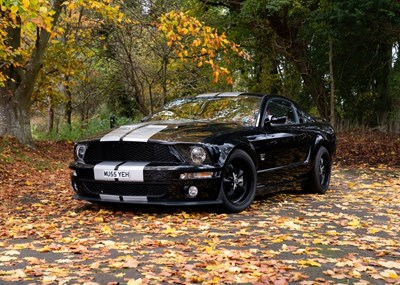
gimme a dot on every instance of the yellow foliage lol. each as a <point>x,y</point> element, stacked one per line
<point>390,274</point>
<point>308,262</point>
<point>106,230</point>
<point>355,223</point>
<point>39,14</point>
<point>200,42</point>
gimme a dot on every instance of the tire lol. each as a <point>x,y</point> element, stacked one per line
<point>320,175</point>
<point>239,179</point>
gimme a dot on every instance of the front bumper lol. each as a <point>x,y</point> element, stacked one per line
<point>153,184</point>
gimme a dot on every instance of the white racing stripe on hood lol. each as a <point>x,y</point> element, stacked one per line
<point>117,134</point>
<point>143,134</point>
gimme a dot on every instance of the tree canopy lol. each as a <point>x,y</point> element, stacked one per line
<point>67,61</point>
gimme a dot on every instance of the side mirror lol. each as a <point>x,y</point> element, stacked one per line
<point>268,121</point>
<point>279,120</point>
<point>272,120</point>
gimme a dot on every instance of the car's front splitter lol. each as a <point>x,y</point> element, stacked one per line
<point>142,200</point>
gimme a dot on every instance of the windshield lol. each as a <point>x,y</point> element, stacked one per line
<point>242,110</point>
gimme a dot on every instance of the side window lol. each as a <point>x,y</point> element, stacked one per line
<point>301,118</point>
<point>304,117</point>
<point>281,112</point>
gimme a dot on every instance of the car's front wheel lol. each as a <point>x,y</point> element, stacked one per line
<point>238,182</point>
<point>320,175</point>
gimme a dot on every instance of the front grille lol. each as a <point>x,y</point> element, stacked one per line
<point>126,189</point>
<point>128,151</point>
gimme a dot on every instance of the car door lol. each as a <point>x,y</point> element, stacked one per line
<point>285,146</point>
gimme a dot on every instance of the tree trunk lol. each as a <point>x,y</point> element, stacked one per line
<point>50,118</point>
<point>138,93</point>
<point>288,43</point>
<point>332,81</point>
<point>313,84</point>
<point>385,101</point>
<point>5,119</point>
<point>151,99</point>
<point>15,97</point>
<point>68,106</point>
<point>164,80</point>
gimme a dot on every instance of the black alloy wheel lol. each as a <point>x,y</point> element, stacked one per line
<point>320,175</point>
<point>238,182</point>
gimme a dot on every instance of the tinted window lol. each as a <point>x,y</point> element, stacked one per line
<point>242,110</point>
<point>304,117</point>
<point>282,109</point>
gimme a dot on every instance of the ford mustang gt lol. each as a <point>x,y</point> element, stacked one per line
<point>216,148</point>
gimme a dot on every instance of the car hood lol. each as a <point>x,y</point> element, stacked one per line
<point>170,131</point>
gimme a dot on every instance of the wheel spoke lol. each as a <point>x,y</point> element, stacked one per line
<point>322,171</point>
<point>234,182</point>
<point>236,195</point>
<point>228,180</point>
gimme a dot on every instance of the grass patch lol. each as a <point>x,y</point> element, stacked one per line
<point>77,130</point>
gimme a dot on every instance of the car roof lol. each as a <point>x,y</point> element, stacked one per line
<point>237,94</point>
<point>230,94</point>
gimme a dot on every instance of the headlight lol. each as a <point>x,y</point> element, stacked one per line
<point>198,155</point>
<point>194,154</point>
<point>80,150</point>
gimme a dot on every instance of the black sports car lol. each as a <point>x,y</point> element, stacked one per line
<point>217,148</point>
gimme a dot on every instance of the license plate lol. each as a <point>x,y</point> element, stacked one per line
<point>121,171</point>
<point>116,174</point>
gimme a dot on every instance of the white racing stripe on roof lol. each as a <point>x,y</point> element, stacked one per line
<point>143,134</point>
<point>207,95</point>
<point>220,94</point>
<point>117,134</point>
<point>229,94</point>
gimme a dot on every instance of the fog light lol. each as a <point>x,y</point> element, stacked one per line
<point>192,191</point>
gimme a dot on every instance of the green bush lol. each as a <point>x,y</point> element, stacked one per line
<point>77,130</point>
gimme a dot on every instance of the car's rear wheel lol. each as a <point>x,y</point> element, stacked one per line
<point>238,182</point>
<point>320,175</point>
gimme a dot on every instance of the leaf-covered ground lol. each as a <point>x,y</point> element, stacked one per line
<point>348,236</point>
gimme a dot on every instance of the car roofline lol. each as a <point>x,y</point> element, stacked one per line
<point>254,94</point>
<point>230,94</point>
